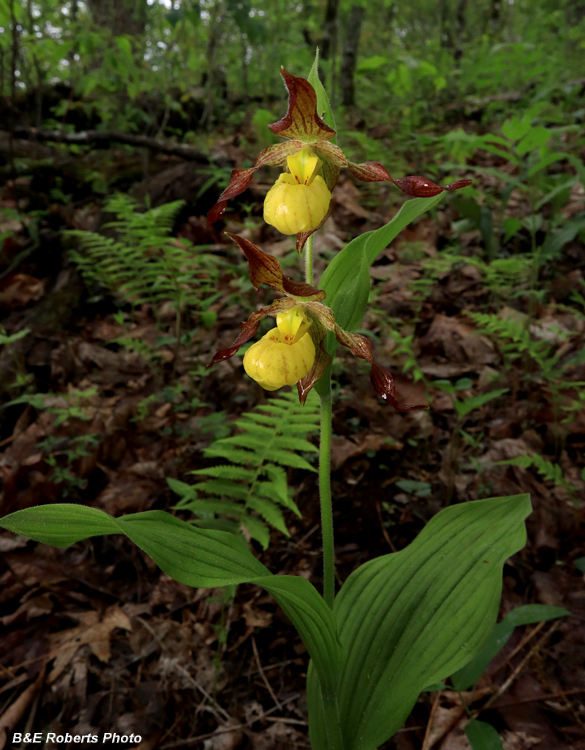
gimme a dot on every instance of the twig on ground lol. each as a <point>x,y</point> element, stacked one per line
<point>263,676</point>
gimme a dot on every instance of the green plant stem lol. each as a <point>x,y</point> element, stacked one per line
<point>309,260</point>
<point>332,722</point>
<point>324,390</point>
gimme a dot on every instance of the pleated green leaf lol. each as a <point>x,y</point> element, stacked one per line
<point>60,525</point>
<point>347,278</point>
<point>196,557</point>
<point>528,614</point>
<point>410,619</point>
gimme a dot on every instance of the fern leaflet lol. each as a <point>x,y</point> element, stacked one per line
<point>551,472</point>
<point>249,493</point>
<point>145,264</point>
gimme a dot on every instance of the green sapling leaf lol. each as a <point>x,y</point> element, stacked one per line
<point>412,487</point>
<point>534,138</point>
<point>483,736</point>
<point>516,127</point>
<point>405,619</point>
<point>465,407</point>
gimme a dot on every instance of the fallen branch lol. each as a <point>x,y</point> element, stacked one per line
<point>479,103</point>
<point>103,138</point>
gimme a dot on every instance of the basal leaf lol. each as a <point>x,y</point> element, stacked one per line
<point>60,525</point>
<point>410,619</point>
<point>197,557</point>
<point>466,677</point>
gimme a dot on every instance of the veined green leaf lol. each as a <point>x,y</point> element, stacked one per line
<point>196,557</point>
<point>466,677</point>
<point>323,104</point>
<point>192,556</point>
<point>347,278</point>
<point>409,619</point>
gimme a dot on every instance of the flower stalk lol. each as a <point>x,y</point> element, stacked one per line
<point>324,390</point>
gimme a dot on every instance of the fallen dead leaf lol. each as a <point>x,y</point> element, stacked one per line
<point>38,606</point>
<point>347,195</point>
<point>19,289</point>
<point>93,632</point>
<point>458,341</point>
<point>15,712</point>
<point>343,449</point>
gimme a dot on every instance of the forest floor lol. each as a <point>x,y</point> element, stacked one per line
<point>95,639</point>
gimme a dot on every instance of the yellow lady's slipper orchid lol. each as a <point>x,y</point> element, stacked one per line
<point>294,203</point>
<point>291,353</point>
<point>285,354</point>
<point>299,200</point>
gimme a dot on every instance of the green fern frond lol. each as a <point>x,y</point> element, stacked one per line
<point>217,450</point>
<point>252,488</point>
<point>550,472</point>
<point>515,340</point>
<point>144,264</point>
<point>228,471</point>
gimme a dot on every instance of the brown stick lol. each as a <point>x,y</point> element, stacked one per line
<point>103,138</point>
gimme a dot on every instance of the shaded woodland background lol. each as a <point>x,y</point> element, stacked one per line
<point>109,111</point>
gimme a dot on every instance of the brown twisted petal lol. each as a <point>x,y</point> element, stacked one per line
<point>301,120</point>
<point>417,186</point>
<point>322,359</point>
<point>360,346</point>
<point>249,328</point>
<point>273,156</point>
<point>380,377</point>
<point>369,171</point>
<point>383,383</point>
<point>420,187</point>
<point>239,181</point>
<point>265,269</point>
<point>330,174</point>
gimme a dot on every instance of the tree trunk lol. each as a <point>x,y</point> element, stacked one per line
<point>445,26</point>
<point>329,43</point>
<point>120,16</point>
<point>213,81</point>
<point>349,55</point>
<point>575,12</point>
<point>329,29</point>
<point>460,12</point>
<point>495,15</point>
